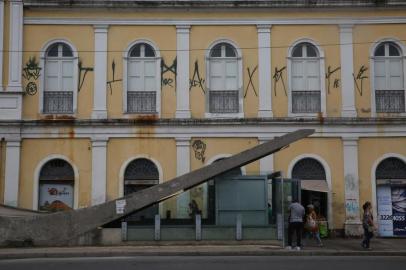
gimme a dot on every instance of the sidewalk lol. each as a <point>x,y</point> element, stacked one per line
<point>332,247</point>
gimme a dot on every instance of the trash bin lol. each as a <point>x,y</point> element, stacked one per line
<point>323,229</point>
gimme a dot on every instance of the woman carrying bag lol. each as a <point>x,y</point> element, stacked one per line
<point>311,225</point>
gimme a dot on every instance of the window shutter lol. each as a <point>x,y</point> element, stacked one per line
<point>150,76</point>
<point>395,74</point>
<point>51,75</point>
<point>217,75</point>
<point>67,75</point>
<point>231,75</point>
<point>313,75</point>
<point>298,82</point>
<point>380,74</point>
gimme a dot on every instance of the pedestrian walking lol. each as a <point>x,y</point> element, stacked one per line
<point>367,225</point>
<point>312,226</point>
<point>296,214</point>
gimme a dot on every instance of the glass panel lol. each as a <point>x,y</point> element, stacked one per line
<point>66,51</point>
<point>311,50</point>
<point>230,51</point>
<point>149,51</point>
<point>297,51</point>
<point>231,68</point>
<point>393,50</point>
<point>380,51</point>
<point>216,51</point>
<point>53,50</point>
<point>136,51</point>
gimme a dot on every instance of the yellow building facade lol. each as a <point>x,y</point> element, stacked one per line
<point>97,96</point>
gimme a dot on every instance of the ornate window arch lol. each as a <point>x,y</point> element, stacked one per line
<point>224,97</point>
<point>59,78</point>
<point>142,78</point>
<point>391,168</point>
<point>56,186</point>
<point>307,95</point>
<point>388,73</point>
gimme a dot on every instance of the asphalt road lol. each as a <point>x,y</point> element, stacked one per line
<point>209,263</point>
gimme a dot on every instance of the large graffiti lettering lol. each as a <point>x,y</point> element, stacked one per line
<point>82,79</point>
<point>31,71</point>
<point>197,80</point>
<point>329,73</point>
<point>278,75</point>
<point>109,83</point>
<point>360,78</point>
<point>171,69</point>
<point>250,83</point>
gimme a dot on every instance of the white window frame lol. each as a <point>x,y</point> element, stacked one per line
<point>372,50</point>
<point>75,58</point>
<point>157,58</point>
<point>240,113</point>
<point>320,58</point>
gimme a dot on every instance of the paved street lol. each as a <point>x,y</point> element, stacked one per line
<point>209,262</point>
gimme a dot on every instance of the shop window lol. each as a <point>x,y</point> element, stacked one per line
<point>140,174</point>
<point>56,186</point>
<point>391,197</point>
<point>305,79</point>
<point>224,79</point>
<point>143,83</point>
<point>59,80</point>
<point>389,78</point>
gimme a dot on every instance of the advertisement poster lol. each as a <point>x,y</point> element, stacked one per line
<point>385,223</point>
<point>55,197</point>
<point>399,211</point>
<point>391,210</point>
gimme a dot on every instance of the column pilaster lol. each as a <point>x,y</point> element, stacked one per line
<point>182,76</point>
<point>99,170</point>
<point>264,71</point>
<point>182,167</point>
<point>12,172</point>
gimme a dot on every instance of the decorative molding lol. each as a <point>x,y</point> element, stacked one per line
<point>10,105</point>
<point>99,171</point>
<point>282,21</point>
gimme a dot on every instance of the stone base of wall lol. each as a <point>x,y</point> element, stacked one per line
<point>353,229</point>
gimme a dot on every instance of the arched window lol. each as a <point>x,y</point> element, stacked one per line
<point>224,79</point>
<point>305,79</point>
<point>56,186</point>
<point>308,169</point>
<point>59,81</point>
<point>140,174</point>
<point>389,78</point>
<point>143,79</point>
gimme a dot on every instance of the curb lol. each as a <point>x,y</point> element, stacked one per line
<point>111,253</point>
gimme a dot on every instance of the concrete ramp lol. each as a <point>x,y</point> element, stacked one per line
<point>10,211</point>
<point>60,228</point>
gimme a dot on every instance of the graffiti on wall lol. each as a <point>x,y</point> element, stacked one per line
<point>196,80</point>
<point>250,83</point>
<point>109,83</point>
<point>278,76</point>
<point>31,72</point>
<point>358,80</point>
<point>329,73</point>
<point>199,147</point>
<point>168,69</point>
<point>83,70</point>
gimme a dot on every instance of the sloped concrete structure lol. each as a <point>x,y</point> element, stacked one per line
<point>62,227</point>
